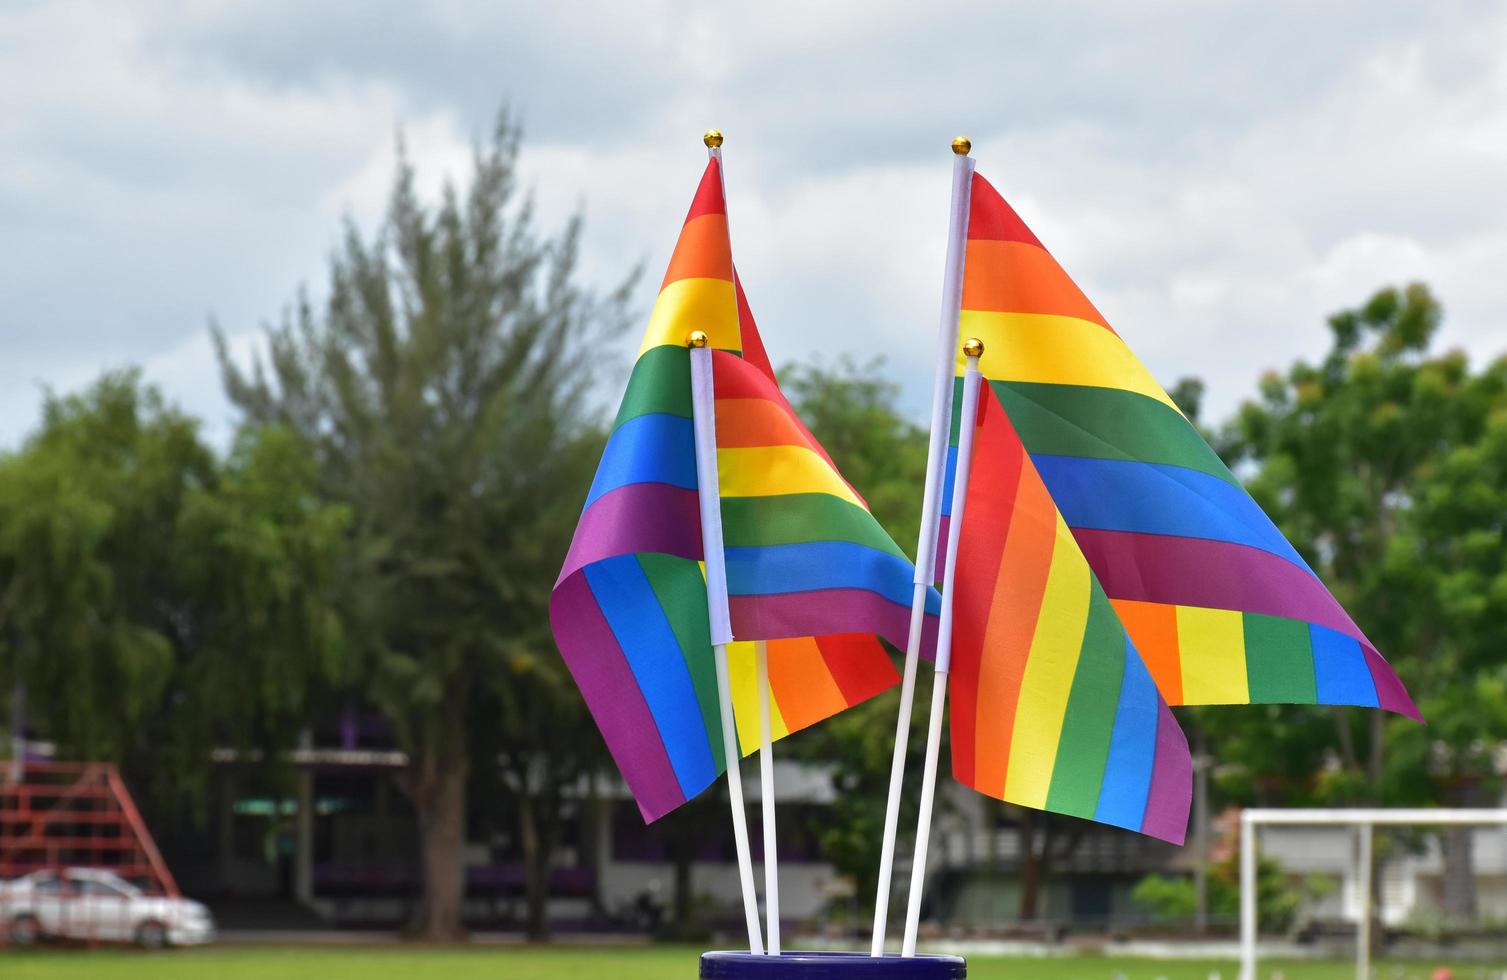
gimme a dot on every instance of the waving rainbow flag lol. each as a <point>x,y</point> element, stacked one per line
<point>1221,606</point>
<point>1052,707</point>
<point>809,569</point>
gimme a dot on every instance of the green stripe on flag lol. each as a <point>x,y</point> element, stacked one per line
<point>1099,423</point>
<point>796,518</point>
<point>1089,722</point>
<point>1279,660</point>
<point>660,383</point>
<point>1106,423</point>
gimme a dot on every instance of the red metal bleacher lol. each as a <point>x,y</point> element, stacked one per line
<point>76,814</point>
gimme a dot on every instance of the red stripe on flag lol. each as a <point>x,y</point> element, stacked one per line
<point>1005,604</point>
<point>858,664</point>
<point>989,217</point>
<point>752,343</point>
<point>992,487</point>
<point>708,199</point>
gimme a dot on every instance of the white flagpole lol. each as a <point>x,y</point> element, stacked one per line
<point>705,426</point>
<point>926,546</point>
<point>766,790</point>
<point>973,348</point>
<point>704,422</point>
<point>713,140</point>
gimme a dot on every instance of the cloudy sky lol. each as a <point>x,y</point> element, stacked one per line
<point>1218,177</point>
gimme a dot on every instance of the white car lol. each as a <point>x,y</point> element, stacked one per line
<point>91,904</point>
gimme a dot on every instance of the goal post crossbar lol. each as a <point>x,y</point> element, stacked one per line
<point>1364,820</point>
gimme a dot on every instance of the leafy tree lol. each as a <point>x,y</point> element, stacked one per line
<point>446,386</point>
<point>1383,465</point>
<point>153,602</point>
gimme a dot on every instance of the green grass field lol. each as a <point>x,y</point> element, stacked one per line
<point>524,963</point>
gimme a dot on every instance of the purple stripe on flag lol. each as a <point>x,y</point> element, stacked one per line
<point>822,612</point>
<point>1390,693</point>
<point>1214,574</point>
<point>607,684</point>
<point>943,523</point>
<point>636,518</point>
<point>1171,782</point>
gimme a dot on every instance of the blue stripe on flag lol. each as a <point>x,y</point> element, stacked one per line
<point>628,603</point>
<point>1339,668</point>
<point>947,477</point>
<point>1153,498</point>
<point>647,449</point>
<point>811,565</point>
<point>1132,748</point>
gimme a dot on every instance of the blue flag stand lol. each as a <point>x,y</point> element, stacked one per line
<point>743,965</point>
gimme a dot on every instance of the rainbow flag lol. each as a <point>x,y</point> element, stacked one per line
<point>809,569</point>
<point>1223,609</point>
<point>1052,707</point>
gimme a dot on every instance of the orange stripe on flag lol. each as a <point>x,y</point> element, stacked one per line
<point>1013,615</point>
<point>703,251</point>
<point>1153,629</point>
<point>1013,277</point>
<point>801,683</point>
<point>750,422</point>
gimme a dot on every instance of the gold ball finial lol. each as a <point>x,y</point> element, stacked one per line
<point>712,138</point>
<point>973,347</point>
<point>697,339</point>
<point>961,145</point>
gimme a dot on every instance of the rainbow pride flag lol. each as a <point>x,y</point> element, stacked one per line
<point>1223,609</point>
<point>809,569</point>
<point>1052,707</point>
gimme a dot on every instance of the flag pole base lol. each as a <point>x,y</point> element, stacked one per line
<point>743,965</point>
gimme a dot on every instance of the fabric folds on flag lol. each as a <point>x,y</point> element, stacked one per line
<point>1221,606</point>
<point>1052,707</point>
<point>629,610</point>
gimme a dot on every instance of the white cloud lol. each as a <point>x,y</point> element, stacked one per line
<point>1218,177</point>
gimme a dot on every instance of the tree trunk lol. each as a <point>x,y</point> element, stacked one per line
<point>683,852</point>
<point>1030,873</point>
<point>439,798</point>
<point>596,814</point>
<point>1459,874</point>
<point>535,868</point>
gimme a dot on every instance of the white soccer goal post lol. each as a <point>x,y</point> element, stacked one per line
<point>1363,821</point>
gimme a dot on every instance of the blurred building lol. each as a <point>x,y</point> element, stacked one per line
<point>332,834</point>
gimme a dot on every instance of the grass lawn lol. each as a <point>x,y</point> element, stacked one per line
<point>563,963</point>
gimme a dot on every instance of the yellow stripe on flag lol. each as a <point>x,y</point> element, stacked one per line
<point>1047,349</point>
<point>695,304</point>
<point>770,471</point>
<point>1048,677</point>
<point>743,679</point>
<point>1212,647</point>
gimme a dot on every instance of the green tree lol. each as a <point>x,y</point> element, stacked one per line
<point>446,386</point>
<point>1382,464</point>
<point>154,603</point>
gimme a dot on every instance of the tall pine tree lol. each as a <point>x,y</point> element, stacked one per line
<point>444,385</point>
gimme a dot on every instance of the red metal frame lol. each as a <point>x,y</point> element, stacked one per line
<point>77,814</point>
